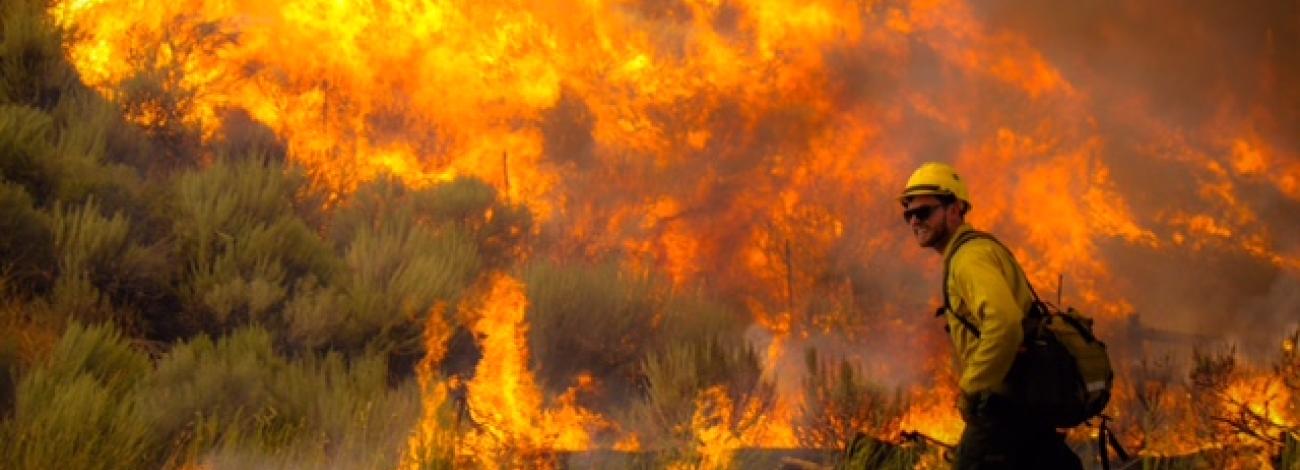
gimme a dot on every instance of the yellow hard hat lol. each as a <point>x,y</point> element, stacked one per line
<point>938,179</point>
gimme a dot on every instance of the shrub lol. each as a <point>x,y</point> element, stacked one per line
<point>701,385</point>
<point>676,376</point>
<point>32,69</point>
<point>864,451</point>
<point>402,258</point>
<point>25,135</point>
<point>26,339</point>
<point>839,402</point>
<point>157,98</point>
<point>223,381</point>
<point>60,156</point>
<point>89,246</point>
<point>382,202</point>
<point>244,248</point>
<point>592,319</point>
<point>496,227</point>
<point>26,249</point>
<point>691,318</point>
<point>394,280</point>
<point>99,352</point>
<point>79,166</point>
<point>153,100</point>
<point>86,239</point>
<point>78,408</point>
<point>235,399</point>
<point>98,403</point>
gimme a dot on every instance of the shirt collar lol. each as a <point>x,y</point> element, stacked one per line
<point>947,250</point>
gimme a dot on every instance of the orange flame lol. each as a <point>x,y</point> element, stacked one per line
<point>749,147</point>
<point>934,414</point>
<point>504,400</point>
<point>431,436</point>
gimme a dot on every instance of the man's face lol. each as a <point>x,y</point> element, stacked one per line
<point>928,219</point>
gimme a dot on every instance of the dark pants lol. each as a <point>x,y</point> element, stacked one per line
<point>998,436</point>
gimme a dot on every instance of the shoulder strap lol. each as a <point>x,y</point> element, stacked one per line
<point>947,266</point>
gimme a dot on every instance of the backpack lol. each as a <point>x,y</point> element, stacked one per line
<point>1062,372</point>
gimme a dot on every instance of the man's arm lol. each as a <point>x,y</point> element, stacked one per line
<point>984,285</point>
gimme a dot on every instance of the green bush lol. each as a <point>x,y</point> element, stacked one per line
<point>79,408</point>
<point>864,451</point>
<point>401,259</point>
<point>496,227</point>
<point>98,403</point>
<point>675,377</point>
<point>26,248</point>
<point>692,318</point>
<point>383,202</point>
<point>394,280</point>
<point>25,135</point>
<point>593,319</point>
<point>89,247</point>
<point>238,234</point>
<point>697,349</point>
<point>218,247</point>
<point>86,239</point>
<point>236,398</point>
<point>79,165</point>
<point>58,175</point>
<point>53,130</point>
<point>32,69</point>
<point>60,156</point>
<point>100,352</point>
<point>157,98</point>
<point>224,381</point>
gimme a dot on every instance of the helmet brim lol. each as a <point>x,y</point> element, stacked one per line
<point>923,192</point>
<point>902,199</point>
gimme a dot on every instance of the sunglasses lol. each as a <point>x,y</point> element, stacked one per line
<point>922,213</point>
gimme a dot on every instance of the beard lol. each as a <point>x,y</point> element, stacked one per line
<point>930,236</point>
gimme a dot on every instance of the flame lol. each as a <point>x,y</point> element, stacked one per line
<point>426,89</point>
<point>511,422</point>
<point>716,440</point>
<point>720,426</point>
<point>933,410</point>
<point>432,435</point>
<point>934,414</point>
<point>1268,402</point>
<point>749,148</point>
<point>504,400</point>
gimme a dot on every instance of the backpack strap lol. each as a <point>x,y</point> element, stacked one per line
<point>947,267</point>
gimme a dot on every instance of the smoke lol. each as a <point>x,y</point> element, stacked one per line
<point>1148,152</point>
<point>1263,317</point>
<point>1176,92</point>
<point>1137,110</point>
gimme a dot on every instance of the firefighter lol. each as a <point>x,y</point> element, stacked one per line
<point>987,288</point>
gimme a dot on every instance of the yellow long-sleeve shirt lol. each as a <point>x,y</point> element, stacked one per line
<point>988,288</point>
